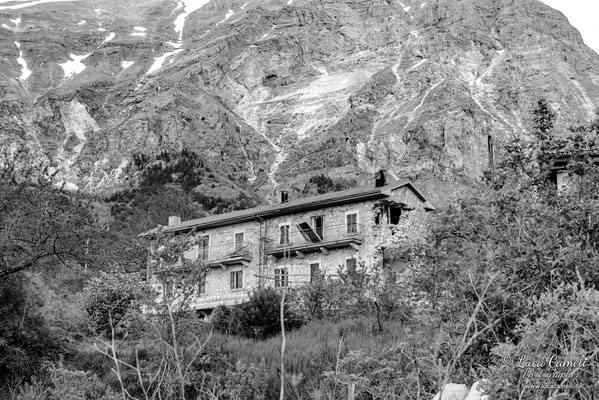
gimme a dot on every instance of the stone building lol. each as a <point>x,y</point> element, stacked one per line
<point>295,241</point>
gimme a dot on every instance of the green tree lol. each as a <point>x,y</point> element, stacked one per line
<point>513,241</point>
<point>109,297</point>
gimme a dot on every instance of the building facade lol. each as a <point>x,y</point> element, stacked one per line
<point>293,242</point>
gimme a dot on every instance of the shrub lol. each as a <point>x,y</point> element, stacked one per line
<point>258,318</point>
<point>110,297</point>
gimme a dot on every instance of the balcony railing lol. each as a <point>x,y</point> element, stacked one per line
<point>302,238</point>
<point>222,255</point>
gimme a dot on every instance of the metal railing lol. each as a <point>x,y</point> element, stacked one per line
<point>296,236</point>
<point>219,252</point>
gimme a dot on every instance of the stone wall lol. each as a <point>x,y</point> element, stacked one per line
<point>375,237</point>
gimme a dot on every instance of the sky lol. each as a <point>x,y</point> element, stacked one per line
<point>583,15</point>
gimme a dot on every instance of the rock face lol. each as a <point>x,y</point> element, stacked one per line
<point>278,91</point>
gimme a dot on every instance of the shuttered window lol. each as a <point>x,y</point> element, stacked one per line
<point>284,239</point>
<point>236,280</point>
<point>352,223</point>
<point>239,242</point>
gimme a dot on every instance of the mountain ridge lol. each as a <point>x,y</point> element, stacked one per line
<point>276,92</point>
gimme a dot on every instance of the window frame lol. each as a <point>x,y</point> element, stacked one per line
<point>356,224</point>
<point>204,251</point>
<point>355,262</point>
<point>281,225</point>
<point>236,248</point>
<point>282,277</point>
<point>236,283</point>
<point>203,285</point>
<point>313,220</point>
<point>314,277</point>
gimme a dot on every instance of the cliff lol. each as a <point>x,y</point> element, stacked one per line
<point>274,92</point>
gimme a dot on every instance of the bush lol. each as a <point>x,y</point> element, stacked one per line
<point>26,340</point>
<point>110,297</point>
<point>259,318</point>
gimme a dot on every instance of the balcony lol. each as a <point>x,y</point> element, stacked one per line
<point>304,239</point>
<point>222,255</point>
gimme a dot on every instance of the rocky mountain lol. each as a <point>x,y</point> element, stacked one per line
<point>272,92</point>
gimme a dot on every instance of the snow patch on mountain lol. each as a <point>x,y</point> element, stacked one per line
<point>74,66</point>
<point>188,7</point>
<point>406,9</point>
<point>108,38</point>
<point>24,4</point>
<point>268,33</point>
<point>127,64</point>
<point>159,61</point>
<point>227,16</point>
<point>419,63</point>
<point>25,72</point>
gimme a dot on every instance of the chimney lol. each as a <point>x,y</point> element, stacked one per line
<point>380,178</point>
<point>174,220</point>
<point>284,196</point>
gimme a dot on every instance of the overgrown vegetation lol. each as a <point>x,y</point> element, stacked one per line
<point>505,277</point>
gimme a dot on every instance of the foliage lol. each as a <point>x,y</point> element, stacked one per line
<point>360,291</point>
<point>110,298</point>
<point>258,318</point>
<point>557,351</point>
<point>244,382</point>
<point>25,338</point>
<point>65,384</point>
<point>41,226</point>
<point>320,184</point>
<point>520,239</point>
<point>167,187</point>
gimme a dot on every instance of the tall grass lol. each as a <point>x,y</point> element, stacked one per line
<point>317,347</point>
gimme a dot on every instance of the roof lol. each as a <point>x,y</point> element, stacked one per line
<point>273,210</point>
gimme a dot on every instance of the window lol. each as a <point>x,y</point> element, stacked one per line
<point>281,277</point>
<point>394,214</point>
<point>352,223</point>
<point>203,247</point>
<point>202,285</point>
<point>318,225</point>
<point>350,265</point>
<point>239,242</point>
<point>314,272</point>
<point>236,280</point>
<point>284,239</point>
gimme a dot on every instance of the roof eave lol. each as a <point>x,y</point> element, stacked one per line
<point>277,212</point>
